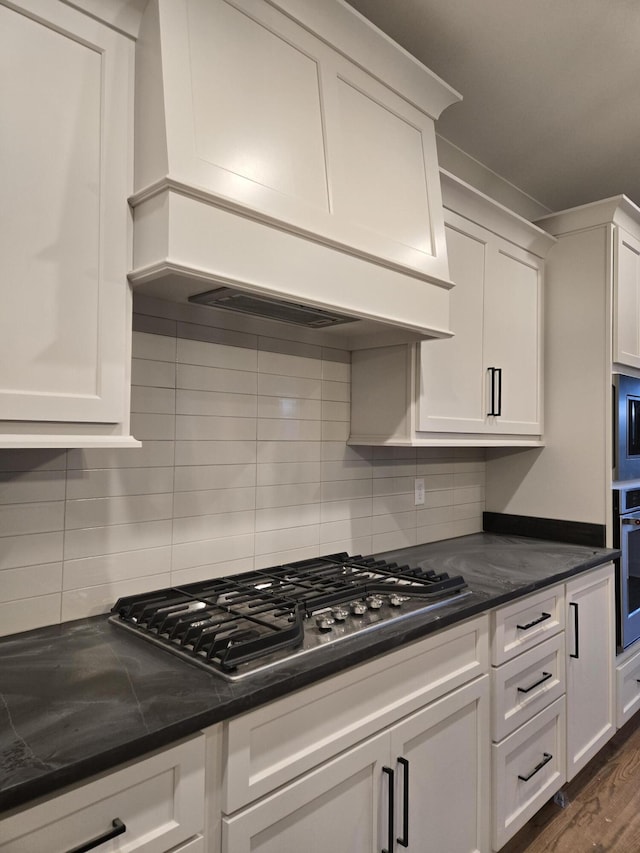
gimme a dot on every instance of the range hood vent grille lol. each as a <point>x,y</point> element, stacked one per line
<point>263,306</point>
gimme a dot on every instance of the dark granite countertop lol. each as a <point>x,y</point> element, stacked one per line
<point>82,697</point>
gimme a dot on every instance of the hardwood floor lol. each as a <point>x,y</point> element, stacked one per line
<point>603,811</point>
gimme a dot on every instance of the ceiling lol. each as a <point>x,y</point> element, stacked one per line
<point>551,88</point>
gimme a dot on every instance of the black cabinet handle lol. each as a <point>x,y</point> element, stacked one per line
<point>391,807</point>
<point>576,630</point>
<point>404,840</point>
<point>492,380</point>
<point>499,372</point>
<point>542,618</point>
<point>118,828</point>
<point>545,677</point>
<point>545,760</point>
<point>496,391</point>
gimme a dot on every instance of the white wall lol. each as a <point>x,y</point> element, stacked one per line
<point>244,464</point>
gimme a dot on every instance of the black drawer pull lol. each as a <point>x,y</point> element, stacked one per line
<point>576,630</point>
<point>118,828</point>
<point>391,807</point>
<point>403,841</point>
<point>542,618</point>
<point>546,759</point>
<point>545,677</point>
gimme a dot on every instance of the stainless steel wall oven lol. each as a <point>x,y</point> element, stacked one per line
<point>626,535</point>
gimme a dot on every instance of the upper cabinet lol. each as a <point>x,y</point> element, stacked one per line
<point>613,226</point>
<point>65,171</point>
<point>484,385</point>
<point>289,152</point>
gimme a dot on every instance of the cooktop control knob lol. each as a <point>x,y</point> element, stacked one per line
<point>374,602</point>
<point>358,608</point>
<point>325,622</point>
<point>339,614</point>
<point>396,600</point>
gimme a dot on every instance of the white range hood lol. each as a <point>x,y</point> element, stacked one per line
<point>273,161</point>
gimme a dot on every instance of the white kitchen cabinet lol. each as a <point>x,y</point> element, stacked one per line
<point>627,685</point>
<point>65,170</point>
<point>309,768</point>
<point>155,804</point>
<point>305,134</point>
<point>484,385</point>
<point>591,718</point>
<point>348,803</point>
<point>626,326</point>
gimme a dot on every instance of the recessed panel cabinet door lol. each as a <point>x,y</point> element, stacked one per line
<point>64,172</point>
<point>626,322</point>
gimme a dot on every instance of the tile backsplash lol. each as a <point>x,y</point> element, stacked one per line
<point>244,464</point>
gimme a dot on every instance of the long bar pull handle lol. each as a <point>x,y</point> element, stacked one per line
<point>576,629</point>
<point>545,677</point>
<point>403,841</point>
<point>543,617</point>
<point>499,372</point>
<point>492,380</point>
<point>391,807</point>
<point>118,829</point>
<point>545,760</point>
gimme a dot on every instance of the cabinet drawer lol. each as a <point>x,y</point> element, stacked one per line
<point>525,685</point>
<point>528,767</point>
<point>160,801</point>
<point>627,689</point>
<point>275,743</point>
<point>526,622</point>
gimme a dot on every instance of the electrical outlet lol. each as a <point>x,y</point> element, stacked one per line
<point>419,493</point>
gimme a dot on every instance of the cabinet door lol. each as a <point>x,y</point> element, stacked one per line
<point>512,339</point>
<point>590,666</point>
<point>65,170</point>
<point>341,805</point>
<point>451,392</point>
<point>446,746</point>
<point>626,317</point>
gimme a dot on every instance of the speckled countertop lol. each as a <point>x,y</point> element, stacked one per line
<point>82,697</point>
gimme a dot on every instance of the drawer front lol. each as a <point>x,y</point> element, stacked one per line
<point>526,622</point>
<point>528,767</point>
<point>160,801</point>
<point>627,690</point>
<point>525,685</point>
<point>275,743</point>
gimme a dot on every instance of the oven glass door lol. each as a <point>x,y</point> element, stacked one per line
<point>630,577</point>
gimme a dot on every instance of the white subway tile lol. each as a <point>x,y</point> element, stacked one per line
<point>17,519</point>
<point>341,490</point>
<point>391,541</point>
<point>270,541</point>
<point>153,427</point>
<point>112,482</point>
<point>152,454</point>
<point>208,427</point>
<point>281,473</point>
<point>350,528</point>
<point>348,469</point>
<point>93,600</point>
<point>29,613</point>
<point>338,510</point>
<point>223,403</point>
<point>468,478</point>
<point>438,481</point>
<point>216,379</point>
<point>94,541</point>
<point>440,497</point>
<point>279,558</point>
<point>335,411</point>
<point>282,518</point>
<point>204,477</point>
<point>210,354</point>
<point>404,502</point>
<point>351,546</point>
<point>22,582</point>
<point>432,469</point>
<point>218,526</point>
<point>211,570</point>
<point>287,495</point>
<point>288,429</point>
<point>129,509</point>
<point>393,485</point>
<point>30,550</point>
<point>288,451</point>
<point>211,551</point>
<point>435,533</point>
<point>120,566</point>
<point>273,385</point>
<point>34,459</point>
<point>213,501</point>
<point>153,347</point>
<point>386,523</point>
<point>215,452</point>
<point>395,468</point>
<point>337,451</point>
<point>435,515</point>
<point>335,431</point>
<point>466,526</point>
<point>388,453</point>
<point>472,510</point>
<point>337,391</point>
<point>336,371</point>
<point>153,400</point>
<point>289,365</point>
<point>468,495</point>
<point>31,486</point>
<point>157,374</point>
<point>289,407</point>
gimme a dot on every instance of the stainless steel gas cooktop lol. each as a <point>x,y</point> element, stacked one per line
<point>245,623</point>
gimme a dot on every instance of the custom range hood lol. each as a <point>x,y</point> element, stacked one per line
<point>285,166</point>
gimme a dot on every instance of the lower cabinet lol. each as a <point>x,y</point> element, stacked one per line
<point>149,806</point>
<point>417,785</point>
<point>591,718</point>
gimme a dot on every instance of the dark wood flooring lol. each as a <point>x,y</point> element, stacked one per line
<point>603,810</point>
